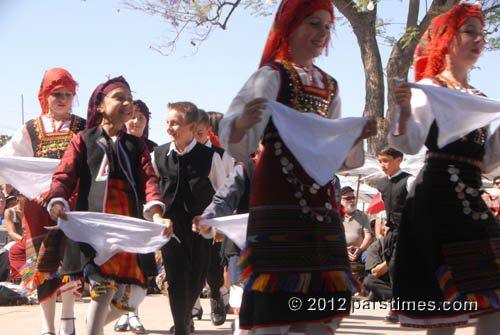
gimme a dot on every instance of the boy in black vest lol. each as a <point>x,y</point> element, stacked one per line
<point>394,190</point>
<point>190,173</point>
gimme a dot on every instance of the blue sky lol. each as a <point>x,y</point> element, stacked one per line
<point>93,40</point>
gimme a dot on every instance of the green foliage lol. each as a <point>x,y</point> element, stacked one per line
<point>410,34</point>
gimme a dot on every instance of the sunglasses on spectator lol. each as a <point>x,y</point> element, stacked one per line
<point>496,183</point>
<point>349,198</point>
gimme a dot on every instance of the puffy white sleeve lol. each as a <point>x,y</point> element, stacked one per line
<point>265,83</point>
<point>491,158</point>
<point>418,125</point>
<point>356,157</point>
<point>19,145</point>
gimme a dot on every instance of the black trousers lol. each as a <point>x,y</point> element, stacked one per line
<point>4,266</point>
<point>215,275</point>
<point>186,266</point>
<point>381,288</point>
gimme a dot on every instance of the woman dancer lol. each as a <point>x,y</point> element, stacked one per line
<point>452,268</point>
<point>48,136</point>
<point>296,247</point>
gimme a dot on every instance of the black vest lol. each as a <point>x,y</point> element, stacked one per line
<point>394,197</point>
<point>218,150</point>
<point>127,160</point>
<point>186,177</point>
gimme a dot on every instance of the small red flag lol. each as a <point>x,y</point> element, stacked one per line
<point>376,205</point>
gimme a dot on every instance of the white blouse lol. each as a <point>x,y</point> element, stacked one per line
<point>265,83</point>
<point>422,117</point>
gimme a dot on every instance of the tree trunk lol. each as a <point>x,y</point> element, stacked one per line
<point>363,26</point>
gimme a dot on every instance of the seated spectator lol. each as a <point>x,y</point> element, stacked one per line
<point>17,252</point>
<point>357,227</point>
<point>377,280</point>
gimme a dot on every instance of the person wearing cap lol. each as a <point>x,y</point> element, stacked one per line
<point>48,136</point>
<point>448,245</point>
<point>296,247</point>
<point>358,232</point>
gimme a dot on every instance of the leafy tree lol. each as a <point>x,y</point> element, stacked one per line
<point>200,17</point>
<point>367,27</point>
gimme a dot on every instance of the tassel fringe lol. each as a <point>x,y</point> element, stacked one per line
<point>484,299</point>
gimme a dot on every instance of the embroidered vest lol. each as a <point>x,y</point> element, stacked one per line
<point>52,145</point>
<point>306,99</point>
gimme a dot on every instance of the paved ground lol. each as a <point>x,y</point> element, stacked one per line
<point>156,317</point>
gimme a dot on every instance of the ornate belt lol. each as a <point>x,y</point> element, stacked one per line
<point>456,158</point>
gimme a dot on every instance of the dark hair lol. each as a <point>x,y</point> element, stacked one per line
<point>186,108</point>
<point>390,152</point>
<point>10,201</point>
<point>144,110</point>
<point>214,119</point>
<point>346,189</point>
<point>495,179</point>
<point>203,118</point>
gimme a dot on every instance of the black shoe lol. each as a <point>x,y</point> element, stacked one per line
<point>391,318</point>
<point>121,328</point>
<point>139,329</point>
<point>218,314</point>
<point>198,314</point>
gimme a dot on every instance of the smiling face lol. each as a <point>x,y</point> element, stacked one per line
<point>310,37</point>
<point>180,131</point>
<point>467,44</point>
<point>136,125</point>
<point>116,107</point>
<point>60,102</point>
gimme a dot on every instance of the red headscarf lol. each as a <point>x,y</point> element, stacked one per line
<point>430,54</point>
<point>289,16</point>
<point>54,79</point>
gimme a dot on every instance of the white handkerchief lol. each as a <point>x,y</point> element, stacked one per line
<point>320,145</point>
<point>233,226</point>
<point>110,234</point>
<point>30,175</point>
<point>458,113</point>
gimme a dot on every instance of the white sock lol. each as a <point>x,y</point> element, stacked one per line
<point>441,331</point>
<point>113,314</point>
<point>123,320</point>
<point>98,312</point>
<point>196,307</point>
<point>48,311</point>
<point>488,324</point>
<point>133,318</point>
<point>224,292</point>
<point>68,312</point>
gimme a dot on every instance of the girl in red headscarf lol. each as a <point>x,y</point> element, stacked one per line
<point>297,254</point>
<point>448,252</point>
<point>48,136</point>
